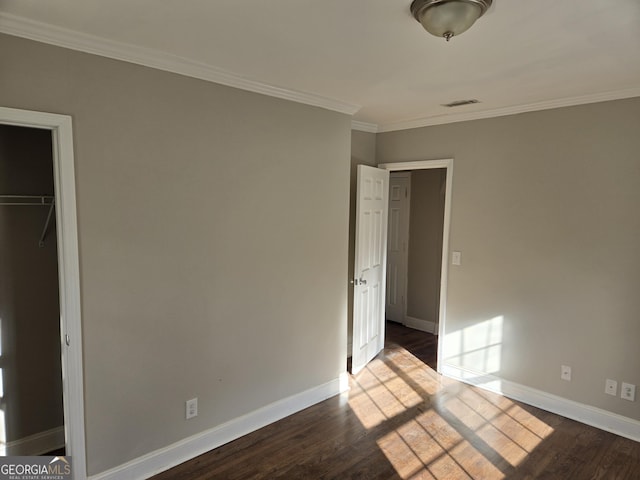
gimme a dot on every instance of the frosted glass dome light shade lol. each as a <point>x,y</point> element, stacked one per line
<point>448,18</point>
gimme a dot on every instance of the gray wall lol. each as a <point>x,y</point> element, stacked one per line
<point>213,254</point>
<point>363,152</point>
<point>425,243</point>
<point>545,213</point>
<point>29,310</point>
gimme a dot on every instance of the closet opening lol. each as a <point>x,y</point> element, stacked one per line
<point>31,387</point>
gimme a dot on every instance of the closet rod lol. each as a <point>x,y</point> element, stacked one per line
<point>32,200</point>
<point>37,200</point>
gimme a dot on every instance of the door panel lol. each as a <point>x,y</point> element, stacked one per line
<point>370,265</point>
<point>398,246</point>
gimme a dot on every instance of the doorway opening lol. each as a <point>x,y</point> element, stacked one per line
<point>31,409</point>
<point>369,280</point>
<point>57,129</point>
<point>418,245</point>
<point>414,249</point>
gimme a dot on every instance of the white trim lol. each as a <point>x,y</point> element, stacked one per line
<point>83,42</point>
<point>68,272</point>
<point>444,275</point>
<point>418,165</point>
<point>593,416</point>
<point>419,324</point>
<point>184,450</point>
<point>36,444</point>
<point>364,127</point>
<point>513,110</point>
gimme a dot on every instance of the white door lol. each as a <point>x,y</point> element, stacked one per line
<point>398,246</point>
<point>372,206</point>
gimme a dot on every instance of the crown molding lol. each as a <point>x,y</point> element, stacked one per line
<point>43,32</point>
<point>62,37</point>
<point>364,127</point>
<point>500,112</point>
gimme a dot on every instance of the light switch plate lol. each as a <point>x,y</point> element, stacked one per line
<point>456,258</point>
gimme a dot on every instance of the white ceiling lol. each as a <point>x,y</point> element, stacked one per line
<point>367,56</point>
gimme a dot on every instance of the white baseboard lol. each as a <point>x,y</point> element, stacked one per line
<point>36,444</point>
<point>596,417</point>
<point>423,325</point>
<point>179,452</point>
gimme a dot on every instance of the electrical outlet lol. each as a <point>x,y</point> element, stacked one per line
<point>565,373</point>
<point>628,392</point>
<point>192,408</point>
<point>611,387</point>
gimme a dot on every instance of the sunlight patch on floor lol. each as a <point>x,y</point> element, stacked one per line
<point>379,394</point>
<point>439,453</point>
<point>492,436</point>
<point>455,431</point>
<point>510,437</point>
<point>426,379</point>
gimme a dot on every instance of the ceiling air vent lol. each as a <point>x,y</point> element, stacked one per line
<point>459,103</point>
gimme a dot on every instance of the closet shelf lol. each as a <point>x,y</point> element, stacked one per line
<point>37,200</point>
<point>32,200</point>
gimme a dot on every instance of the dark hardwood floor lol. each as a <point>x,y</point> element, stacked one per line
<point>402,420</point>
<point>423,346</point>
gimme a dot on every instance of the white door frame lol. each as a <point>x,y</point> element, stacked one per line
<point>68,273</point>
<point>446,163</point>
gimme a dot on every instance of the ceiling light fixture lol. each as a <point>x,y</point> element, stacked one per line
<point>448,18</point>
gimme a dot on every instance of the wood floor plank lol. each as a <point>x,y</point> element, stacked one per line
<point>401,420</point>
